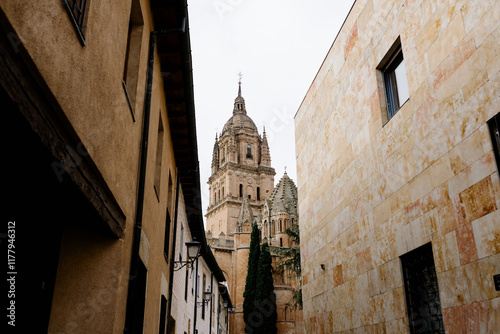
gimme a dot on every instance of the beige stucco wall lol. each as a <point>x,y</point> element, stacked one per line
<point>370,192</point>
<point>90,295</point>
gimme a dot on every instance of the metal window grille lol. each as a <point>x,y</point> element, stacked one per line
<point>77,10</point>
<point>422,291</point>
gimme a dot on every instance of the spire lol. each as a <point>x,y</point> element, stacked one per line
<point>239,84</point>
<point>284,196</point>
<point>265,155</point>
<point>239,102</point>
<point>215,155</point>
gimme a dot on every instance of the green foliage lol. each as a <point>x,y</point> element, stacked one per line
<point>291,262</point>
<point>265,296</point>
<point>251,280</point>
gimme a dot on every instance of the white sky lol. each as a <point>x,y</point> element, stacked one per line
<point>278,45</point>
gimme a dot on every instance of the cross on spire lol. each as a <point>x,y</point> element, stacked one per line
<point>239,83</point>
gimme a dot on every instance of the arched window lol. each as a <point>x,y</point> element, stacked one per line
<point>249,151</point>
<point>273,228</point>
<point>241,190</point>
<point>222,192</point>
<point>219,194</point>
<point>281,225</point>
<point>258,193</point>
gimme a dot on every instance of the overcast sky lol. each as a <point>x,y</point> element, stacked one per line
<point>278,46</point>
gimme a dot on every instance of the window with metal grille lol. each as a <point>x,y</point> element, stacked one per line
<point>494,125</point>
<point>422,291</point>
<point>77,12</point>
<point>395,82</point>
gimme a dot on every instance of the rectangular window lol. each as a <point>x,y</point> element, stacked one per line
<point>422,291</point>
<point>77,10</point>
<point>203,288</point>
<point>159,153</point>
<point>163,314</point>
<point>181,244</point>
<point>132,55</point>
<point>135,322</point>
<point>494,125</point>
<point>166,242</point>
<point>395,82</point>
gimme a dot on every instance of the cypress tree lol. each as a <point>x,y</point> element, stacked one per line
<point>251,281</point>
<point>265,296</point>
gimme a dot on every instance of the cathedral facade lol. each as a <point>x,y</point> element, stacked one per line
<point>242,193</point>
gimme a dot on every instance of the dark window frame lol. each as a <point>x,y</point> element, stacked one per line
<point>77,11</point>
<point>166,241</point>
<point>392,60</point>
<point>163,314</point>
<point>494,127</point>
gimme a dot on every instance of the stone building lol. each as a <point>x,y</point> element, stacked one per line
<point>399,192</point>
<point>100,161</point>
<point>242,193</point>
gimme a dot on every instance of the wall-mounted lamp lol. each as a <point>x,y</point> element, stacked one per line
<point>193,250</point>
<point>207,296</point>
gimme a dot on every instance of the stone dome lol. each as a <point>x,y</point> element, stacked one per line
<point>239,121</point>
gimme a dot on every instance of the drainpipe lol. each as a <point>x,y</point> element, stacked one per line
<point>172,257</point>
<point>134,262</point>
<point>195,298</point>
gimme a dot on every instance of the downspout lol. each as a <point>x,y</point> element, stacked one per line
<point>195,298</point>
<point>134,262</point>
<point>172,257</point>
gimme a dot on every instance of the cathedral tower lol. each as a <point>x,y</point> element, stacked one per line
<point>242,193</point>
<point>241,167</point>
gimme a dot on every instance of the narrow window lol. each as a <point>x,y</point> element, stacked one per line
<point>249,151</point>
<point>222,192</point>
<point>166,242</point>
<point>395,82</point>
<point>241,190</point>
<point>170,198</point>
<point>163,314</point>
<point>77,10</point>
<point>258,193</point>
<point>132,55</point>
<point>281,242</point>
<point>494,125</point>
<point>281,225</point>
<point>422,291</point>
<point>219,195</point>
<point>135,322</point>
<point>159,153</point>
<point>181,245</point>
<point>204,287</point>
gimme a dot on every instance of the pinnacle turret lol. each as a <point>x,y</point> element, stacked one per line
<point>265,155</point>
